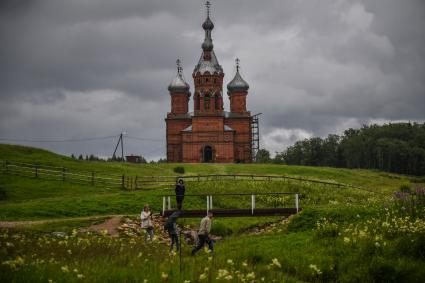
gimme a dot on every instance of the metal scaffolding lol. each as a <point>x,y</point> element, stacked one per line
<point>255,136</point>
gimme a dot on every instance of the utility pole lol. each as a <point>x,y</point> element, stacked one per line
<point>120,141</point>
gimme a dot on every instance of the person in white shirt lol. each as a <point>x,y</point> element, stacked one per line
<point>146,224</point>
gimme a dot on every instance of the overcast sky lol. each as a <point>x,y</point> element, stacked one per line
<point>94,68</point>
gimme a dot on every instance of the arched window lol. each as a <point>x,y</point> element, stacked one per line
<point>197,102</point>
<point>207,101</point>
<point>217,101</point>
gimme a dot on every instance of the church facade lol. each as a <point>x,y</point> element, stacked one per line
<point>209,133</point>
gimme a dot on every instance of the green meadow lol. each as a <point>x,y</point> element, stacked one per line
<point>341,235</point>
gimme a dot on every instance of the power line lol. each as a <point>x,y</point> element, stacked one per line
<point>144,139</point>
<point>61,140</point>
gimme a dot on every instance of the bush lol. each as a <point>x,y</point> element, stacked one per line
<point>221,229</point>
<point>179,170</point>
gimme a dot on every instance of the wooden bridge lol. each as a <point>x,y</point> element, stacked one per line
<point>232,212</point>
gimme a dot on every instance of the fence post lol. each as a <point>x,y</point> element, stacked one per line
<point>252,204</point>
<point>122,182</point>
<point>163,206</point>
<point>135,183</point>
<point>169,203</point>
<point>36,170</point>
<point>92,178</point>
<point>208,204</point>
<point>63,174</point>
<point>211,203</point>
<point>296,202</point>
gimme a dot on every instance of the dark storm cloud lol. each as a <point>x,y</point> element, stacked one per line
<point>96,67</point>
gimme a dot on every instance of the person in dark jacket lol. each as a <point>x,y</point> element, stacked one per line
<point>171,227</point>
<point>180,189</point>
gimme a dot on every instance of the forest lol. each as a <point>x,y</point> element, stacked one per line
<point>394,147</point>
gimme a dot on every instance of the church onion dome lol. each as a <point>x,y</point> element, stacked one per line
<point>207,45</point>
<point>179,84</point>
<point>208,24</point>
<point>237,84</point>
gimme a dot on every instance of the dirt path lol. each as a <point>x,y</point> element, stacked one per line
<point>110,226</point>
<point>14,224</point>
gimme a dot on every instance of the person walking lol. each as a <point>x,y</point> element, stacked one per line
<point>171,227</point>
<point>146,222</point>
<point>180,189</point>
<point>203,234</point>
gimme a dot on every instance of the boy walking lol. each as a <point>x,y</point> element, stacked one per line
<point>203,234</point>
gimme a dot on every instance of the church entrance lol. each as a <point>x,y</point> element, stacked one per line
<point>208,154</point>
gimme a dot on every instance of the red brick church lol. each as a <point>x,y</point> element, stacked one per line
<point>208,134</point>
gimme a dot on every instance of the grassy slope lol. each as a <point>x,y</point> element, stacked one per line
<point>27,198</point>
<point>294,245</point>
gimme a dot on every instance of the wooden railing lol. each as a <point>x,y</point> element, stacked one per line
<point>62,174</point>
<point>126,182</point>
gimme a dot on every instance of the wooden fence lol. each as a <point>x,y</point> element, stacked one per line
<point>141,182</point>
<point>62,174</point>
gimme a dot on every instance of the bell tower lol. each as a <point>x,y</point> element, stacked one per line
<point>208,75</point>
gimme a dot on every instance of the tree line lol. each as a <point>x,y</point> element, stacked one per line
<point>140,159</point>
<point>394,147</point>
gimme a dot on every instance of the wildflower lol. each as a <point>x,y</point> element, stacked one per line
<point>377,244</point>
<point>210,258</point>
<point>75,270</point>
<point>186,281</point>
<point>346,240</point>
<point>230,262</point>
<point>315,269</point>
<point>65,269</point>
<point>140,255</point>
<point>164,275</point>
<point>203,276</point>
<point>222,273</point>
<point>245,264</point>
<point>250,276</point>
<point>14,264</point>
<point>275,262</point>
<point>69,252</point>
<point>80,276</point>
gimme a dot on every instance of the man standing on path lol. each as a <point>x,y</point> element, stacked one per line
<point>203,234</point>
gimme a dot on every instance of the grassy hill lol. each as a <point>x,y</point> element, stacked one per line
<point>342,234</point>
<point>29,198</point>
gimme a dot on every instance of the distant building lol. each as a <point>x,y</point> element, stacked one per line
<point>133,159</point>
<point>209,134</point>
